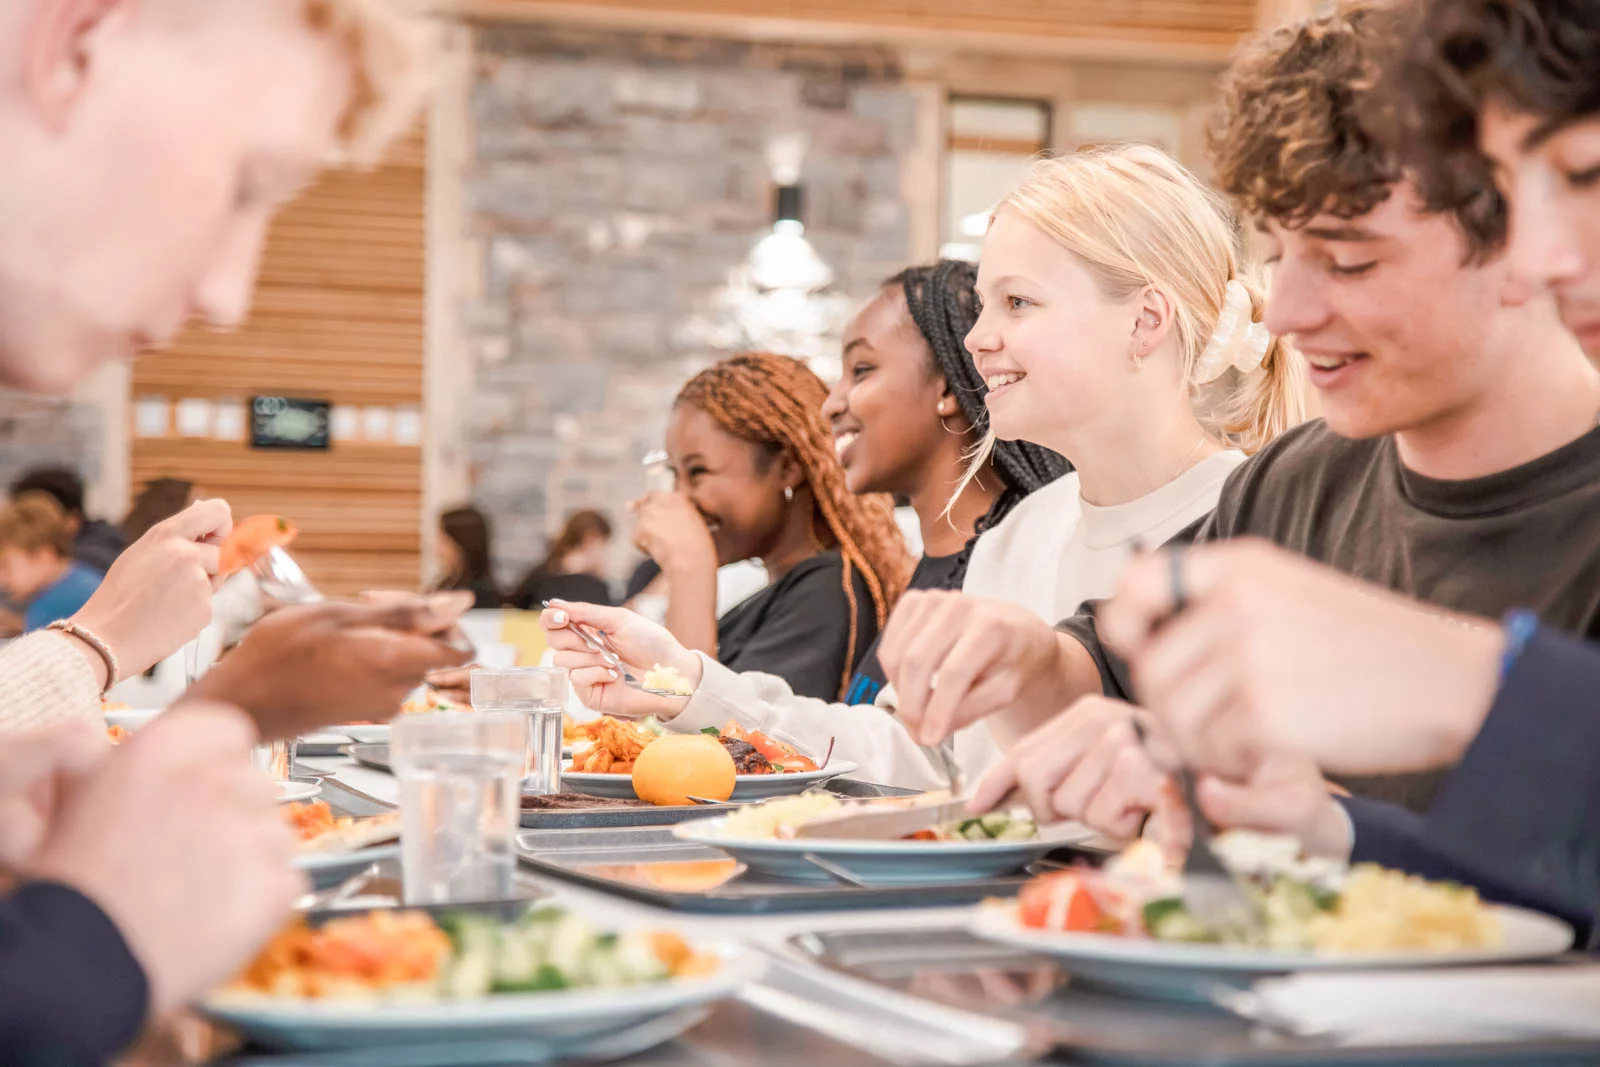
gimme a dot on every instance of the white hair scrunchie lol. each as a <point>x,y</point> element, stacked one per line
<point>1238,342</point>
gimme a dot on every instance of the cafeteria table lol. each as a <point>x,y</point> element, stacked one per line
<point>798,1013</point>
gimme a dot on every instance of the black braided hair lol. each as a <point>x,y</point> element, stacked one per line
<point>943,301</point>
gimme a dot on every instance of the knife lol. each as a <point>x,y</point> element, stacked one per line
<point>886,820</point>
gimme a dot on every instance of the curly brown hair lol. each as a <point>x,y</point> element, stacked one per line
<point>1302,129</point>
<point>1539,57</point>
<point>776,401</point>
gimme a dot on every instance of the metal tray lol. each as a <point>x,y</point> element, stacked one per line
<point>377,757</point>
<point>611,818</point>
<point>1085,1025</point>
<point>573,854</point>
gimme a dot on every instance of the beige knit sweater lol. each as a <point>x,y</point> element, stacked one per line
<point>45,679</point>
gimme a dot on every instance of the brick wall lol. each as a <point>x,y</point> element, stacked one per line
<point>616,182</point>
<point>37,431</point>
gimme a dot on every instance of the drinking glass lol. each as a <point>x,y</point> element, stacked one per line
<point>540,695</point>
<point>276,758</point>
<point>459,803</point>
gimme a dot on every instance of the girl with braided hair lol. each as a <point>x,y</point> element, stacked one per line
<point>905,415</point>
<point>905,354</point>
<point>758,479</point>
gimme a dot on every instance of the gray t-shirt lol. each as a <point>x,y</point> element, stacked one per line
<point>1527,538</point>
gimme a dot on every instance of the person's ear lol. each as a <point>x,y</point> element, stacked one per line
<point>1153,318</point>
<point>791,475</point>
<point>951,417</point>
<point>61,50</point>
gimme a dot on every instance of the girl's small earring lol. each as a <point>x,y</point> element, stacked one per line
<point>942,414</point>
<point>788,494</point>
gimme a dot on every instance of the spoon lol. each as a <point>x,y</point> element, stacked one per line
<point>597,642</point>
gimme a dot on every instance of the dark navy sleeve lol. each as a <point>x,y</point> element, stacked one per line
<point>71,992</point>
<point>1526,796</point>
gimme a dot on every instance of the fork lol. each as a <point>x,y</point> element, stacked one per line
<point>944,752</point>
<point>596,642</point>
<point>1211,893</point>
<point>281,578</point>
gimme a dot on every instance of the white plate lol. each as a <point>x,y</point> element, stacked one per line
<point>367,735</point>
<point>290,791</point>
<point>566,1023</point>
<point>132,719</point>
<point>880,862</point>
<point>745,786</point>
<point>329,868</point>
<point>1185,970</point>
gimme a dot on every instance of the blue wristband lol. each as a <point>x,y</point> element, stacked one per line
<point>1520,626</point>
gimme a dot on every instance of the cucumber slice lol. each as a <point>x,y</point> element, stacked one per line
<point>1168,920</point>
<point>544,979</point>
<point>469,975</point>
<point>995,823</point>
<point>515,961</point>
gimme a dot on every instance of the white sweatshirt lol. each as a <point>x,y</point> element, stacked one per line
<point>1051,554</point>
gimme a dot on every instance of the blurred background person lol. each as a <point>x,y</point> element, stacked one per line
<point>160,500</point>
<point>37,570</point>
<point>758,478</point>
<point>466,557</point>
<point>94,542</point>
<point>573,568</point>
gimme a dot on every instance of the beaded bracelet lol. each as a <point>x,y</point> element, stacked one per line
<point>88,637</point>
<point>1520,626</point>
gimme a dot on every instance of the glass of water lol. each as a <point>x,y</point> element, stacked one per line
<point>540,695</point>
<point>459,803</point>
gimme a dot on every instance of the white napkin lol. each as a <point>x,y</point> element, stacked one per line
<point>1433,1005</point>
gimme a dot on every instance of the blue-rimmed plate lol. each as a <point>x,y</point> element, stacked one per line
<point>1184,970</point>
<point>880,862</point>
<point>561,1023</point>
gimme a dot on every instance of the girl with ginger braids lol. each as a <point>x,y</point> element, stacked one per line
<point>906,414</point>
<point>758,479</point>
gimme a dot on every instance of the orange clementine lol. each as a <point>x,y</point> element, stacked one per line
<point>675,767</point>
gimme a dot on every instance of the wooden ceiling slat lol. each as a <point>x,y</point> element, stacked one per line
<point>1204,22</point>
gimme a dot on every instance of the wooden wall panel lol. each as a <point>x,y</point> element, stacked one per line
<point>338,316</point>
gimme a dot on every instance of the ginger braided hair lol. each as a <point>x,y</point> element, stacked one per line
<point>776,402</point>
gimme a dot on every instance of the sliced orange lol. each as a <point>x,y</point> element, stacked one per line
<point>253,538</point>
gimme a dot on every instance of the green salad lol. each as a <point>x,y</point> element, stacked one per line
<point>547,949</point>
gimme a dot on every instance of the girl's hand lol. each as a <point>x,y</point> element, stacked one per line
<point>671,531</point>
<point>638,642</point>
